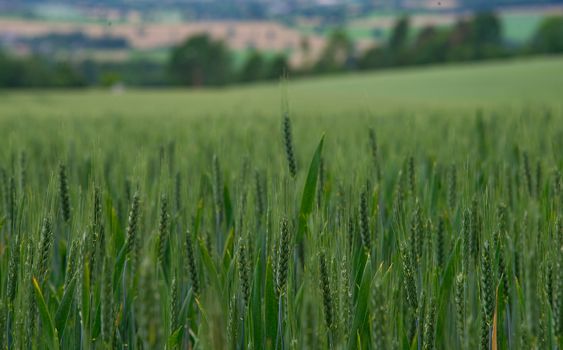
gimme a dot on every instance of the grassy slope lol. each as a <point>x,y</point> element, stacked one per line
<point>462,87</point>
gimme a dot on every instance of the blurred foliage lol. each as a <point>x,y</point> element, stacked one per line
<point>549,37</point>
<point>338,53</point>
<point>203,61</point>
<point>37,72</point>
<point>200,60</point>
<point>479,37</point>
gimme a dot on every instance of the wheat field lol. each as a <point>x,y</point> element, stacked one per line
<point>410,226</point>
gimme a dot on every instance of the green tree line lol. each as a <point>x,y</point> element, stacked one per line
<point>474,39</point>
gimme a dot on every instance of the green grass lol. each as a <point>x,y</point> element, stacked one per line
<point>501,84</point>
<point>520,28</point>
<point>425,212</point>
<point>240,56</point>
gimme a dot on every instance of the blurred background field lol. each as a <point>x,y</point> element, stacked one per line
<point>219,43</point>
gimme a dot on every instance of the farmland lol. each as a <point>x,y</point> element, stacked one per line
<point>394,210</point>
<point>509,84</point>
<point>150,40</point>
<point>146,38</point>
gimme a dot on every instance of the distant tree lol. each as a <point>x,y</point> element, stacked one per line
<point>461,33</point>
<point>430,46</point>
<point>399,35</point>
<point>487,29</point>
<point>375,57</point>
<point>66,75</point>
<point>549,36</point>
<point>11,72</point>
<point>398,42</point>
<point>424,36</point>
<point>278,67</point>
<point>254,67</point>
<point>110,78</point>
<point>201,61</point>
<point>338,53</point>
<point>486,36</point>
